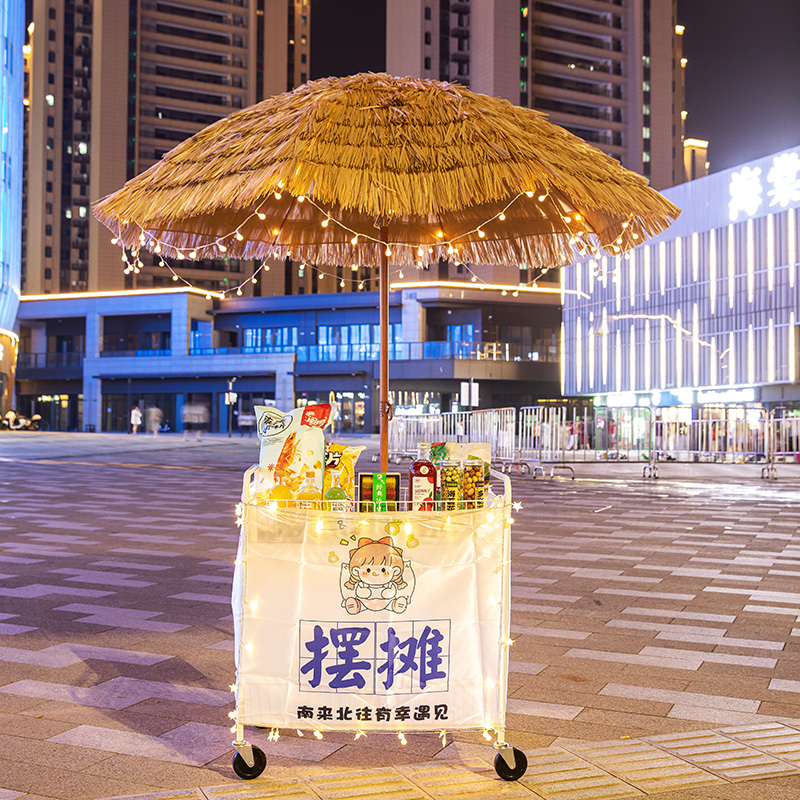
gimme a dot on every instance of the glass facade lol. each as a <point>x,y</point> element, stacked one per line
<point>706,312</point>
<point>12,30</point>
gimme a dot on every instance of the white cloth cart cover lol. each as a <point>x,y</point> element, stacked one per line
<point>375,621</point>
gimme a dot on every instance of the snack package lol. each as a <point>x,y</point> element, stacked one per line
<point>342,457</point>
<point>293,443</point>
<point>378,491</point>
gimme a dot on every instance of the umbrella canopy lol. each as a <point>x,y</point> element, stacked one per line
<point>447,170</point>
<point>362,169</point>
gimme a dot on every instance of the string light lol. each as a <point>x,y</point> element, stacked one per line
<point>145,238</point>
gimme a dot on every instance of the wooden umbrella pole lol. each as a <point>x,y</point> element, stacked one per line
<point>384,407</point>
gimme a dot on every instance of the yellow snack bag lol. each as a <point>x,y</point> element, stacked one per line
<point>341,457</point>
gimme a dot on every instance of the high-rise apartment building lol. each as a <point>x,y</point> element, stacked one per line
<point>114,84</point>
<point>609,71</point>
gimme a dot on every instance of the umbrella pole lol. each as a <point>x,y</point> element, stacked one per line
<point>384,407</point>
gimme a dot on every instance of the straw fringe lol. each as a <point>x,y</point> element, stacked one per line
<point>367,146</point>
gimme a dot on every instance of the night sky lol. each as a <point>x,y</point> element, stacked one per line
<point>742,79</point>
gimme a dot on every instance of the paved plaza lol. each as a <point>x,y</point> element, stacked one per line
<point>656,627</point>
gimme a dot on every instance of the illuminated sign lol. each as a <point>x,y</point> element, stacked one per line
<point>727,396</point>
<point>785,181</point>
<point>746,188</point>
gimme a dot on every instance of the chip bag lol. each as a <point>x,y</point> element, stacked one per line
<point>293,443</point>
<point>342,457</point>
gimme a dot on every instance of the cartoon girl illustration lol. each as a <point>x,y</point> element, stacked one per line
<point>375,574</point>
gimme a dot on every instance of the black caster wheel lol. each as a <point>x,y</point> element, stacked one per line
<point>244,770</point>
<point>505,772</point>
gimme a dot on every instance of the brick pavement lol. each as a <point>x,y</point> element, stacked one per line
<point>655,624</point>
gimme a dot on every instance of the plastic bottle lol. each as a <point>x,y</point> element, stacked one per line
<point>309,495</point>
<point>280,494</point>
<point>422,480</point>
<point>336,498</point>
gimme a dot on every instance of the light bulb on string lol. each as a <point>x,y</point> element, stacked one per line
<point>401,275</point>
<point>341,283</point>
<point>254,279</point>
<point>474,279</point>
<point>481,233</point>
<point>114,240</point>
<point>300,198</point>
<point>174,277</point>
<point>180,256</point>
<point>501,216</point>
<point>326,222</point>
<point>239,236</point>
<point>542,197</point>
<point>239,291</point>
<point>193,254</point>
<point>388,251</point>
<point>529,193</point>
<point>277,195</point>
<point>221,247</point>
<point>354,240</point>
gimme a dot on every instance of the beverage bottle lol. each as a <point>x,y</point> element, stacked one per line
<point>280,494</point>
<point>336,497</point>
<point>309,496</point>
<point>422,480</point>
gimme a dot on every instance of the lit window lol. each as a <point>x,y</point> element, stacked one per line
<point>81,211</point>
<point>646,132</point>
<point>51,101</point>
<point>83,148</point>
<point>645,86</point>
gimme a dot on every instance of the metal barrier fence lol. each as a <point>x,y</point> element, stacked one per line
<point>562,435</point>
<point>497,426</point>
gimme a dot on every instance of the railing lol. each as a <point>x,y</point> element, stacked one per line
<point>133,353</point>
<point>398,351</point>
<point>49,360</point>
<point>561,434</point>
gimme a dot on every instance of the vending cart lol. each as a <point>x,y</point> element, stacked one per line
<point>373,619</point>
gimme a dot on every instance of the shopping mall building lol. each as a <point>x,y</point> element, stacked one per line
<point>700,322</point>
<point>86,358</point>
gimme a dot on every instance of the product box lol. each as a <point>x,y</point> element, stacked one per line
<point>379,491</point>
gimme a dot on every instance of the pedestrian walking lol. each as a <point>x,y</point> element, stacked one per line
<point>136,419</point>
<point>152,419</point>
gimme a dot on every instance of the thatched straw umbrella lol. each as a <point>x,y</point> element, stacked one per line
<point>371,167</point>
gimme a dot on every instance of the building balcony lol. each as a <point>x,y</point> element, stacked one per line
<point>459,32</point>
<point>398,351</point>
<point>460,7</point>
<point>461,56</point>
<point>55,366</point>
